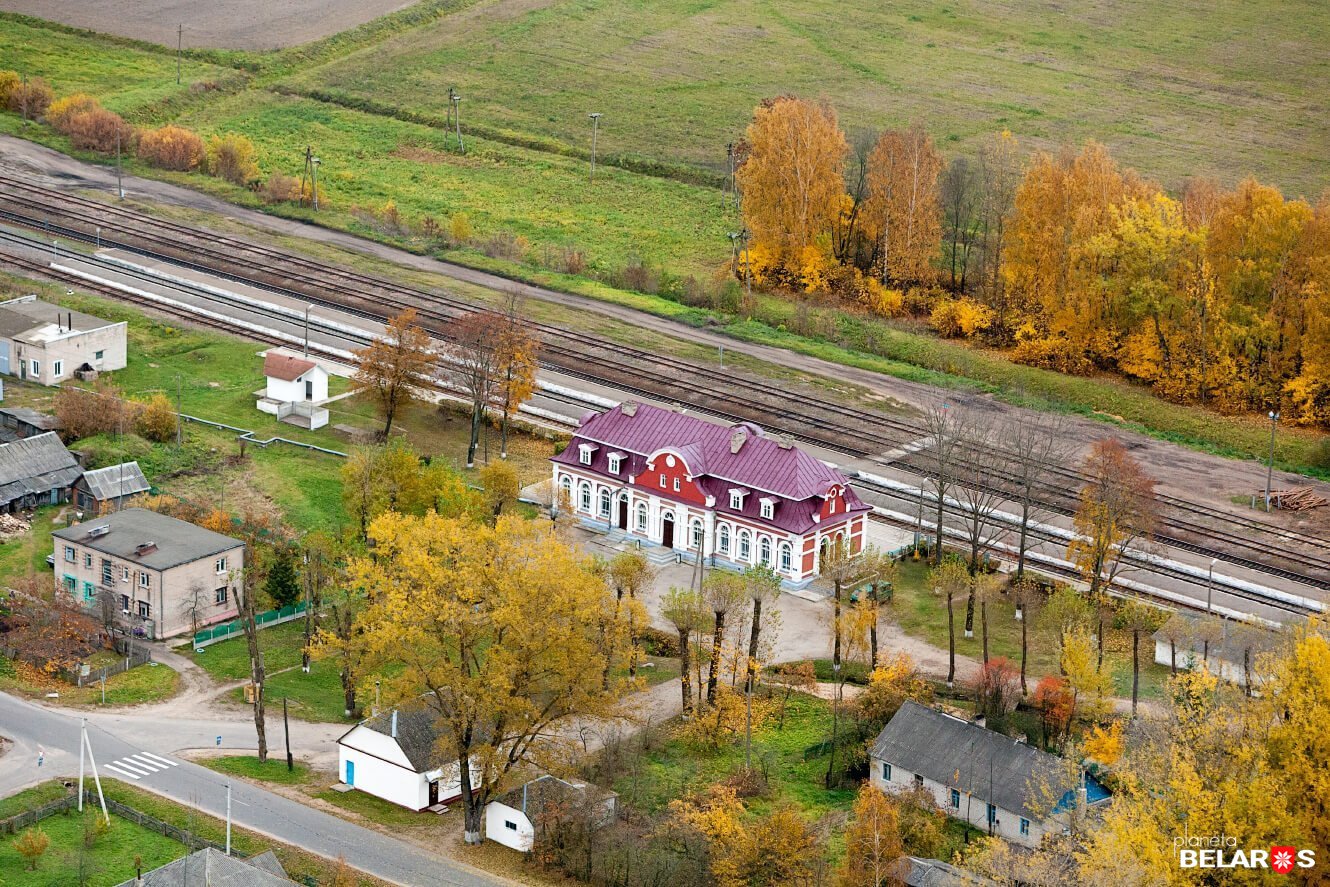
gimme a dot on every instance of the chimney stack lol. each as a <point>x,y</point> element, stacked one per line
<point>737,439</point>
<point>393,728</point>
<point>628,408</point>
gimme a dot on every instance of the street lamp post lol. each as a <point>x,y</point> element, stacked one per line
<point>1270,466</point>
<point>99,236</point>
<point>595,130</point>
<point>1210,586</point>
<point>456,97</point>
<point>307,309</point>
<point>314,193</point>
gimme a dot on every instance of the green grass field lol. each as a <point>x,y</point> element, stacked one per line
<point>272,770</point>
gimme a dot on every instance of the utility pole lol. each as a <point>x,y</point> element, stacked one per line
<point>1270,467</point>
<point>179,411</point>
<point>748,267</point>
<point>455,98</point>
<point>595,129</point>
<point>310,172</point>
<point>119,182</point>
<point>314,191</point>
<point>228,819</point>
<point>307,307</point>
<point>286,728</point>
<point>179,39</point>
<point>1210,585</point>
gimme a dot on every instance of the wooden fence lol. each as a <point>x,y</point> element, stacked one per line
<point>15,824</point>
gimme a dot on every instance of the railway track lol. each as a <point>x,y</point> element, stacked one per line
<point>726,394</point>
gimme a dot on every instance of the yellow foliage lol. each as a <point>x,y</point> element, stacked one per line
<point>960,318</point>
<point>62,110</point>
<point>1105,745</point>
<point>232,157</point>
<point>878,299</point>
<point>459,228</point>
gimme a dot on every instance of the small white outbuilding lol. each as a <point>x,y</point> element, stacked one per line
<point>515,818</point>
<point>295,388</point>
<point>393,756</point>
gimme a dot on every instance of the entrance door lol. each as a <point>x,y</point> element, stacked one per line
<point>623,512</point>
<point>309,389</point>
<point>667,530</point>
<point>350,772</point>
<point>433,792</point>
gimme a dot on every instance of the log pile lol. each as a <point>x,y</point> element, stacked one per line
<point>1299,499</point>
<point>12,526</point>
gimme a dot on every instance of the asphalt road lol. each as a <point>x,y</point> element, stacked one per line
<point>35,728</point>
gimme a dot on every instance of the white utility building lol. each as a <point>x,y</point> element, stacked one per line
<point>394,756</point>
<point>296,387</point>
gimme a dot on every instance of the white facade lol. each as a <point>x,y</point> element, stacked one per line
<point>509,827</point>
<point>311,385</point>
<point>964,805</point>
<point>374,763</point>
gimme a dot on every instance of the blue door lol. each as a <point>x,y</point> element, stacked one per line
<point>350,772</point>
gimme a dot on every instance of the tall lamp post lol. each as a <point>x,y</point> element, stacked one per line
<point>1270,466</point>
<point>1210,586</point>
<point>456,97</point>
<point>315,190</point>
<point>595,130</point>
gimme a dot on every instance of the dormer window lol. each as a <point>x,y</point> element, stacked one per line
<point>584,453</point>
<point>737,499</point>
<point>768,509</point>
<point>616,461</point>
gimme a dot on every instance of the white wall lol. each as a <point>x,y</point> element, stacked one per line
<point>496,829</point>
<point>381,769</point>
<point>1190,659</point>
<point>280,389</point>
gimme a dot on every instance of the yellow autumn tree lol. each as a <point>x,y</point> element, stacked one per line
<point>1104,744</point>
<point>775,850</point>
<point>902,214</point>
<point>497,631</point>
<point>791,177</point>
<point>873,842</point>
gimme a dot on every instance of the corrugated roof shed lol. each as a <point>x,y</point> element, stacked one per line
<point>993,768</point>
<point>535,796</point>
<point>115,481</point>
<point>213,868</point>
<point>35,465</point>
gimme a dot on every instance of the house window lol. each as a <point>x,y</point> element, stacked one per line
<point>585,497</point>
<point>614,464</point>
<point>676,485</point>
<point>641,517</point>
<point>124,603</point>
<point>124,574</point>
<point>723,542</point>
<point>1025,826</point>
<point>58,369</point>
<point>764,551</point>
<point>108,576</point>
<point>99,355</point>
<point>955,799</point>
<point>87,591</point>
<point>69,583</point>
<point>786,557</point>
<point>745,545</point>
<point>510,825</point>
<point>768,509</point>
<point>143,580</point>
<point>886,772</point>
<point>992,815</point>
<point>736,499</point>
<point>70,556</point>
<point>35,367</point>
<point>662,481</point>
<point>221,565</point>
<point>584,454</point>
<point>221,595</point>
<point>604,503</point>
<point>87,560</point>
<point>145,610</point>
<point>696,528</point>
<point>566,485</point>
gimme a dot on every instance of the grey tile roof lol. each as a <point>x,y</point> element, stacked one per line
<point>21,316</point>
<point>29,416</point>
<point>213,868</point>
<point>536,795</point>
<point>115,481</point>
<point>35,464</point>
<point>417,734</point>
<point>993,768</point>
<point>177,541</point>
<point>917,872</point>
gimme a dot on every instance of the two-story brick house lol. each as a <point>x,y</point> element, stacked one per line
<point>164,575</point>
<point>734,494</point>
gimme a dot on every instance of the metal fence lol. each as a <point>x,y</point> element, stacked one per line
<point>227,630</point>
<point>130,658</point>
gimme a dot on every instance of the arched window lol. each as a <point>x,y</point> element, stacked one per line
<point>764,551</point>
<point>723,539</point>
<point>641,517</point>
<point>745,545</point>
<point>786,557</point>
<point>695,534</point>
<point>604,502</point>
<point>566,485</point>
<point>584,497</point>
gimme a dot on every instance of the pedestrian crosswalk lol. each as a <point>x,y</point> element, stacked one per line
<point>136,766</point>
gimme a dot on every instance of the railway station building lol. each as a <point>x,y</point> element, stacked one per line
<point>687,487</point>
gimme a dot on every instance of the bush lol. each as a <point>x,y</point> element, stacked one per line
<point>172,147</point>
<point>99,130</point>
<point>659,643</point>
<point>83,412</point>
<point>459,228</point>
<point>281,189</point>
<point>30,99</point>
<point>63,110</point>
<point>156,421</point>
<point>8,80</point>
<point>232,157</point>
<point>960,318</point>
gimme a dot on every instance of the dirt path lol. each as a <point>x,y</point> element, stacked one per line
<point>222,24</point>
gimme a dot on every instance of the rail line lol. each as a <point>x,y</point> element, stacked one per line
<point>724,393</point>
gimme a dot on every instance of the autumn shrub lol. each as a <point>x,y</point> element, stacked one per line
<point>8,80</point>
<point>172,147</point>
<point>504,245</point>
<point>997,688</point>
<point>232,157</point>
<point>156,420</point>
<point>84,412</point>
<point>281,188</point>
<point>62,110</point>
<point>638,275</point>
<point>960,318</point>
<point>572,261</point>
<point>99,130</point>
<point>659,643</point>
<point>1050,353</point>
<point>31,98</point>
<point>459,228</point>
<point>31,845</point>
<point>724,721</point>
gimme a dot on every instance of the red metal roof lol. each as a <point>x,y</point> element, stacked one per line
<point>286,367</point>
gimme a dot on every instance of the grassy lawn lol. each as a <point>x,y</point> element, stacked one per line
<point>26,554</point>
<point>248,767</point>
<point>376,809</point>
<point>923,614</point>
<point>229,660</point>
<point>146,684</point>
<point>110,860</point>
<point>42,793</point>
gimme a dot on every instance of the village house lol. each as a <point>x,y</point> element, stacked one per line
<point>46,344</point>
<point>159,574</point>
<point>36,471</point>
<point>393,755</point>
<point>998,784</point>
<point>733,494</point>
<point>210,867</point>
<point>109,489</point>
<point>517,817</point>
<point>913,871</point>
<point>20,422</point>
<point>296,387</point>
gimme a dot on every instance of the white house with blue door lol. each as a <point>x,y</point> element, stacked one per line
<point>394,755</point>
<point>35,471</point>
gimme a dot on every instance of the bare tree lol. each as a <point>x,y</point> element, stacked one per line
<point>959,196</point>
<point>945,425</point>
<point>1029,598</point>
<point>762,585</point>
<point>979,463</point>
<point>342,608</point>
<point>685,610</point>
<point>316,572</point>
<point>197,598</point>
<point>516,367</point>
<point>473,361</point>
<point>999,177</point>
<point>1117,514</point>
<point>1037,444</point>
<point>1176,629</point>
<point>723,591</point>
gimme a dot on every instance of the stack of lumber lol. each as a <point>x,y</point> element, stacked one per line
<point>1300,499</point>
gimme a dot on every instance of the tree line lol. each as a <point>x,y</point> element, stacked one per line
<point>1068,259</point>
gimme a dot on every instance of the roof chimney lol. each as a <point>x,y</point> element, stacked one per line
<point>737,440</point>
<point>393,728</point>
<point>980,721</point>
<point>628,408</point>
<point>784,442</point>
